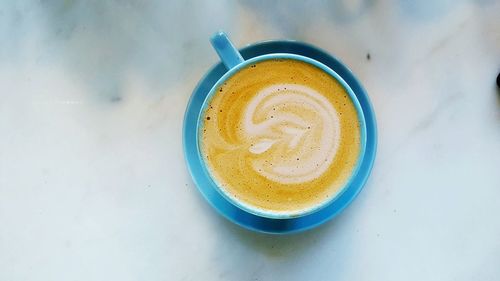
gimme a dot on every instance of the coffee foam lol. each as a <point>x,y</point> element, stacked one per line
<point>283,127</point>
<point>280,136</point>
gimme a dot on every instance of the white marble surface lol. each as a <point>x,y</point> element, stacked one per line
<point>93,184</point>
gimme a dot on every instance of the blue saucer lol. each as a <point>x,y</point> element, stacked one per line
<point>250,221</point>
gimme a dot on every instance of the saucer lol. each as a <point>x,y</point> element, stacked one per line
<point>245,219</point>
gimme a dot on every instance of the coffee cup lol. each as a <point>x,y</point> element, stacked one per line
<point>280,135</point>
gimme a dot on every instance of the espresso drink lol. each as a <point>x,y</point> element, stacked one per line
<point>280,136</point>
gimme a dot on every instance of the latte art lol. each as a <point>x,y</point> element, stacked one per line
<point>280,136</point>
<point>292,118</point>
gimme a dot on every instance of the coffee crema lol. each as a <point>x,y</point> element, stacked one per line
<point>280,136</point>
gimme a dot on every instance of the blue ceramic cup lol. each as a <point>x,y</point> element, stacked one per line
<point>234,62</point>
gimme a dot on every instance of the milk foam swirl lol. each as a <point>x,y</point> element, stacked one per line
<point>295,126</point>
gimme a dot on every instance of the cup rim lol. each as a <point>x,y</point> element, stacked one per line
<point>285,214</point>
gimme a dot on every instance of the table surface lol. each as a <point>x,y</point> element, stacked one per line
<point>93,185</point>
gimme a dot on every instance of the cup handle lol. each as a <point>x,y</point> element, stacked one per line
<point>228,54</point>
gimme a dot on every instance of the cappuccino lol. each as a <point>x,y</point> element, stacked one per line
<point>280,136</point>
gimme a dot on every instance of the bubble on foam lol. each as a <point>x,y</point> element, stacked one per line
<point>304,124</point>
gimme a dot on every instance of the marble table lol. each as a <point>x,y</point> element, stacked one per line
<point>93,185</point>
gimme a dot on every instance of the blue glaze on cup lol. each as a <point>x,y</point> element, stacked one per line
<point>234,62</point>
<point>228,54</point>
